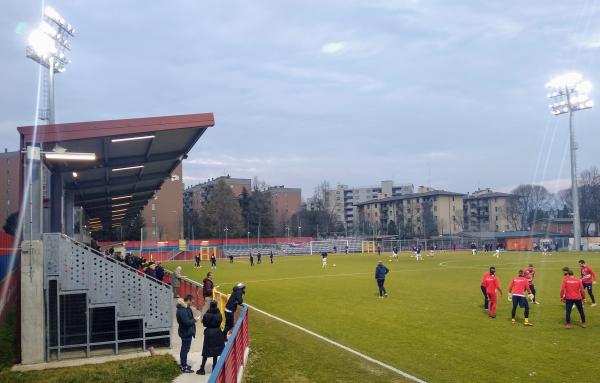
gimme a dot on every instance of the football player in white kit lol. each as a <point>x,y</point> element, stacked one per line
<point>418,253</point>
<point>324,256</point>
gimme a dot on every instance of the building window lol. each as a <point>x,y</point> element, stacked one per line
<point>496,227</point>
<point>153,207</point>
<point>435,208</point>
<point>153,219</point>
<point>496,208</point>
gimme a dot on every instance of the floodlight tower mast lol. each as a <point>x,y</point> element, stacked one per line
<point>571,94</point>
<point>47,46</point>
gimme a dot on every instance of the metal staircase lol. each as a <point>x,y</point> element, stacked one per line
<point>95,303</point>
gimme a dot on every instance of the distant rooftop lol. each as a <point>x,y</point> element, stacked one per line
<point>410,196</point>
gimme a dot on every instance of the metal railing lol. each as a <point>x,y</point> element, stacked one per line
<point>233,358</point>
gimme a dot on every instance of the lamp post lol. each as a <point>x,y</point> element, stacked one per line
<point>570,94</point>
<point>248,240</point>
<point>226,231</point>
<point>46,46</point>
<point>299,231</point>
<point>288,232</point>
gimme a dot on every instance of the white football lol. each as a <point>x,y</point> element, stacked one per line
<point>334,265</point>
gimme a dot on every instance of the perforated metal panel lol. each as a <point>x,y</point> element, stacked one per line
<point>131,293</point>
<point>51,254</point>
<point>103,281</point>
<point>158,305</point>
<point>106,282</point>
<point>74,266</point>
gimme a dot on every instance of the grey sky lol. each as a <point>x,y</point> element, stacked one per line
<point>449,94</point>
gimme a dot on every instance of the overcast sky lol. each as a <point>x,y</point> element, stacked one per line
<point>444,93</point>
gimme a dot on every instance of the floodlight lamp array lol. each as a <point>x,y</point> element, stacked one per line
<point>570,93</point>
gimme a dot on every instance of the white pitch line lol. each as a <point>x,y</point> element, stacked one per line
<point>346,348</point>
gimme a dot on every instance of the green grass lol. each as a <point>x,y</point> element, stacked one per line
<point>157,369</point>
<point>431,326</point>
<point>8,339</point>
<point>281,353</point>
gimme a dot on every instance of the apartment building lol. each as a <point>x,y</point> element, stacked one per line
<point>163,215</point>
<point>285,202</point>
<point>10,178</point>
<point>487,210</point>
<point>426,212</point>
<point>343,199</point>
<point>194,197</point>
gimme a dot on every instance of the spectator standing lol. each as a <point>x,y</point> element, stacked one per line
<point>236,298</point>
<point>214,340</point>
<point>160,272</point>
<point>175,281</point>
<point>186,330</point>
<point>151,270</point>
<point>380,273</point>
<point>207,291</point>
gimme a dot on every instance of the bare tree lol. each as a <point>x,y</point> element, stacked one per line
<point>532,201</point>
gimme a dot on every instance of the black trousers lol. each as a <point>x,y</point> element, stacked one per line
<point>588,287</point>
<point>520,301</point>
<point>228,323</point>
<point>569,306</point>
<point>532,288</point>
<point>380,283</point>
<point>486,302</point>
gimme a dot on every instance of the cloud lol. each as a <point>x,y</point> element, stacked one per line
<point>591,42</point>
<point>334,48</point>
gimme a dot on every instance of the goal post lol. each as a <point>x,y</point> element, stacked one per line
<point>206,251</point>
<point>368,247</point>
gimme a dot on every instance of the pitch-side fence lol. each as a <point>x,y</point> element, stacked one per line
<point>230,365</point>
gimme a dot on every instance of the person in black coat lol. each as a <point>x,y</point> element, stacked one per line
<point>214,340</point>
<point>380,273</point>
<point>151,270</point>
<point>236,298</point>
<point>186,330</point>
<point>160,272</point>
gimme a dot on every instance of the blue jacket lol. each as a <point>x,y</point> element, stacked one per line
<point>186,321</point>
<point>381,271</point>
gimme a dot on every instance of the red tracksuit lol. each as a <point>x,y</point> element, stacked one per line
<point>491,285</point>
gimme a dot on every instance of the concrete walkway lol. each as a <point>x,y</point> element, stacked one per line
<point>195,354</point>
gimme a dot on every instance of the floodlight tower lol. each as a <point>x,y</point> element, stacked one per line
<point>47,46</point>
<point>570,94</point>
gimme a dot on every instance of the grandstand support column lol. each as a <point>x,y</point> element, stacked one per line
<point>56,202</point>
<point>33,338</point>
<point>32,221</point>
<point>68,219</point>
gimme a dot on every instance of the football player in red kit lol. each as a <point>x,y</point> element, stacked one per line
<point>588,279</point>
<point>486,301</point>
<point>517,291</point>
<point>573,294</point>
<point>529,273</point>
<point>492,284</point>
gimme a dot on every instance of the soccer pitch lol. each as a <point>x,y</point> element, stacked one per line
<point>432,325</point>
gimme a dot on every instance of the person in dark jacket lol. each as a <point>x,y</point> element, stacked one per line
<point>380,273</point>
<point>151,270</point>
<point>186,330</point>
<point>207,291</point>
<point>197,259</point>
<point>271,256</point>
<point>160,272</point>
<point>251,259</point>
<point>214,340</point>
<point>236,298</point>
<point>213,261</point>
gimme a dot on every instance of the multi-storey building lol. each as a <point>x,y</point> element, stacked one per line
<point>195,197</point>
<point>163,215</point>
<point>9,184</point>
<point>285,202</point>
<point>341,201</point>
<point>423,213</point>
<point>486,210</point>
